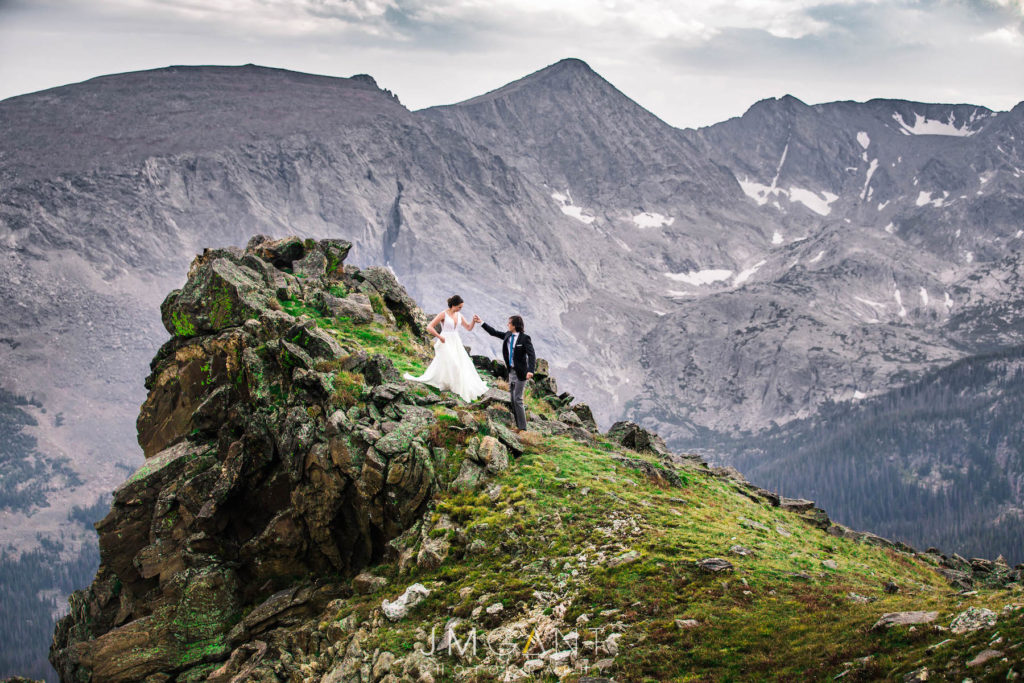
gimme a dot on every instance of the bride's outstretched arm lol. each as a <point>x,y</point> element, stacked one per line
<point>468,326</point>
<point>433,323</point>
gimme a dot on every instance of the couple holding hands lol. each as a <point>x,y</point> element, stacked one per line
<point>452,369</point>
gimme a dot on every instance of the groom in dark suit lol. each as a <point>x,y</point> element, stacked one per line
<point>517,350</point>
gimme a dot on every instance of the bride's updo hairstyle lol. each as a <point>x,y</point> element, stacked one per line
<point>454,300</point>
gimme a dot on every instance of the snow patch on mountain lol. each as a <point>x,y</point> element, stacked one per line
<point>819,204</point>
<point>649,219</point>
<point>926,126</point>
<point>927,198</point>
<point>565,203</point>
<point>863,139</point>
<point>867,181</point>
<point>745,274</point>
<point>699,278</point>
<point>899,302</point>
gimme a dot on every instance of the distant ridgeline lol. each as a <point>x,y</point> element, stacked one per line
<point>303,514</point>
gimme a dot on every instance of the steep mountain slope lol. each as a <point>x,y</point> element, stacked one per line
<point>304,515</point>
<point>889,210</point>
<point>971,498</point>
<point>108,184</point>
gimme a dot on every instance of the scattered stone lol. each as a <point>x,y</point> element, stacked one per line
<point>395,297</point>
<point>973,619</point>
<point>741,551</point>
<point>636,438</point>
<point>890,587</point>
<point>494,396</point>
<point>796,504</point>
<point>661,476</point>
<point>496,608</point>
<point>985,656</point>
<point>471,476</point>
<point>492,454</point>
<point>931,649</point>
<point>783,531</point>
<point>585,415</point>
<point>917,675</point>
<point>751,524</point>
<point>715,565</point>
<point>366,583</point>
<point>860,599</point>
<point>533,665</point>
<point>904,619</point>
<point>982,566</point>
<point>413,595</point>
<point>685,624</point>
<point>830,564</point>
<point>625,558</point>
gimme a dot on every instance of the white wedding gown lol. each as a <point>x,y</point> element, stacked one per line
<point>452,369</point>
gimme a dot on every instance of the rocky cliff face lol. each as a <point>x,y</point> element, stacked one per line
<point>305,515</point>
<point>257,471</point>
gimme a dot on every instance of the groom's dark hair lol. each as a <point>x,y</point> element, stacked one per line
<point>517,322</point>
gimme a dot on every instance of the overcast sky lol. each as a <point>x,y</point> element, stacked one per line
<point>692,63</point>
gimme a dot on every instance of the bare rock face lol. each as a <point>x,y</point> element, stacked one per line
<point>255,475</point>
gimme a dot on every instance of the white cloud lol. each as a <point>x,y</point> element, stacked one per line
<point>691,63</point>
<point>1007,35</point>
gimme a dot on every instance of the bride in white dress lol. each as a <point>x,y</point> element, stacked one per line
<point>452,369</point>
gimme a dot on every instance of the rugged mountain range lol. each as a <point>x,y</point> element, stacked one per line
<point>707,283</point>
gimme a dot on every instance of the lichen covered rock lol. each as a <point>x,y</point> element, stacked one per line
<point>257,477</point>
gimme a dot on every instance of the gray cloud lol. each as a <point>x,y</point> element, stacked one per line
<point>692,63</point>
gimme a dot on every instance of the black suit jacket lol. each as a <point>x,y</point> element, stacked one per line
<point>524,355</point>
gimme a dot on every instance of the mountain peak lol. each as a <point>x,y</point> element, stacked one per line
<point>569,63</point>
<point>574,73</point>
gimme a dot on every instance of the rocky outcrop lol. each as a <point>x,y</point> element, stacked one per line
<point>290,470</point>
<point>257,471</point>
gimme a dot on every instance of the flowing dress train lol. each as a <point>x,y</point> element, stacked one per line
<point>452,369</point>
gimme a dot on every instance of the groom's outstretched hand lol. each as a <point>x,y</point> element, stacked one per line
<point>529,375</point>
<point>477,319</point>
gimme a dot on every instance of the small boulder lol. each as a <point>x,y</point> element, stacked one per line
<point>398,301</point>
<point>985,656</point>
<point>634,437</point>
<point>625,558</point>
<point>366,583</point>
<point>492,454</point>
<point>585,415</point>
<point>714,565</point>
<point>973,619</point>
<point>412,596</point>
<point>891,619</point>
<point>356,307</point>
